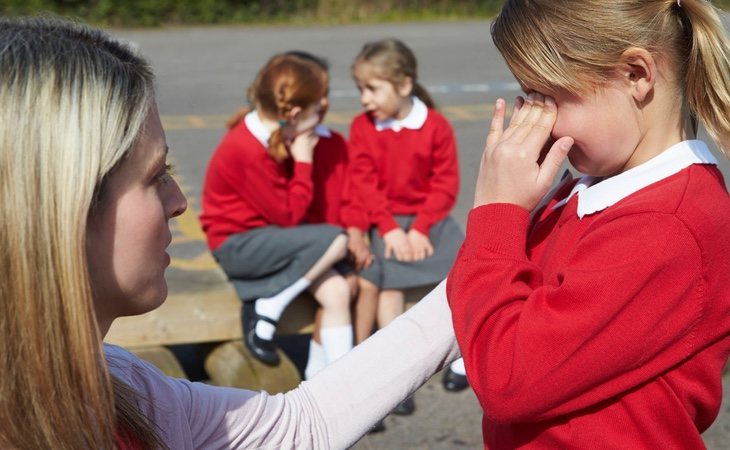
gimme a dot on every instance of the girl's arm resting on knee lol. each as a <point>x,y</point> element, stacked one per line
<point>625,309</point>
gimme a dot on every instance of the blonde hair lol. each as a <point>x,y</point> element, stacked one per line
<point>575,45</point>
<point>394,61</point>
<point>72,102</point>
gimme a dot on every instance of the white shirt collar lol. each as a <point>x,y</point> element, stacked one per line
<point>413,121</point>
<point>595,195</point>
<point>262,134</point>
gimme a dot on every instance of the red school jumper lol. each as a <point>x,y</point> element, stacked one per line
<point>408,172</point>
<point>606,322</point>
<point>245,188</point>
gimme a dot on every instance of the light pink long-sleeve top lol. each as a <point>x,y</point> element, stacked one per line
<point>330,411</point>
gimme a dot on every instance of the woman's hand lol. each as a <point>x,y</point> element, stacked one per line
<point>396,243</point>
<point>359,249</point>
<point>420,245</point>
<point>302,147</point>
<point>514,166</point>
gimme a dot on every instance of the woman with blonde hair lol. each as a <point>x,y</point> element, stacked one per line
<point>85,200</point>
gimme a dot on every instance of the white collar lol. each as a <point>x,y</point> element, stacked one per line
<point>595,195</point>
<point>413,121</point>
<point>262,134</point>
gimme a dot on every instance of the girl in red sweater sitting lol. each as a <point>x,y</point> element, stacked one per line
<point>404,168</point>
<point>260,188</point>
<point>598,317</point>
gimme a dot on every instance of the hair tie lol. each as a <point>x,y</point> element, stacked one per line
<point>679,3</point>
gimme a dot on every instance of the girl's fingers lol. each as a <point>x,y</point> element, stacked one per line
<point>553,161</point>
<point>541,130</point>
<point>519,104</point>
<point>417,255</point>
<point>522,108</point>
<point>532,117</point>
<point>497,125</point>
<point>519,112</point>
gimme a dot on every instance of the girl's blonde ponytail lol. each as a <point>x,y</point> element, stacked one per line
<point>707,79</point>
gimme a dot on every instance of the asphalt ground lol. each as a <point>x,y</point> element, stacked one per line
<point>202,76</point>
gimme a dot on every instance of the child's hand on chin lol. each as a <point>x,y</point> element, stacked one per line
<point>302,147</point>
<point>515,167</point>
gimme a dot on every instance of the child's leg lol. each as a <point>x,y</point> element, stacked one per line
<point>454,379</point>
<point>335,252</point>
<point>392,303</point>
<point>261,315</point>
<point>316,359</point>
<point>273,307</point>
<point>366,308</point>
<point>333,293</point>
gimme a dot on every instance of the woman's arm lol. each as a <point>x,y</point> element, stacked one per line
<point>331,411</point>
<point>367,383</point>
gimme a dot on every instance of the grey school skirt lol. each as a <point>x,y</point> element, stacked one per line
<point>264,261</point>
<point>446,238</point>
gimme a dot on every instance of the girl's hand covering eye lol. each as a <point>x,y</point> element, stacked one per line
<point>514,166</point>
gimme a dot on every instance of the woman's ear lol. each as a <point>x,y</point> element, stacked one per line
<point>638,68</point>
<point>405,87</point>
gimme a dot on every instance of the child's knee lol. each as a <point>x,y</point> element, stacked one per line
<point>367,286</point>
<point>339,246</point>
<point>335,293</point>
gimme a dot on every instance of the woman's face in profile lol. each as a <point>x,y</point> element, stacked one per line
<point>128,233</point>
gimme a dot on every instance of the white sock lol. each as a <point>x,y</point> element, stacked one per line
<point>458,366</point>
<point>336,341</point>
<point>273,307</point>
<point>317,360</point>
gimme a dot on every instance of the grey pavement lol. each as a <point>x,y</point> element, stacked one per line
<point>202,76</point>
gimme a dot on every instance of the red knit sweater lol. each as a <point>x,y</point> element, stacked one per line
<point>410,172</point>
<point>245,188</point>
<point>609,331</point>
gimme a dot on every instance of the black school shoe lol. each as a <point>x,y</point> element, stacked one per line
<point>406,407</point>
<point>454,382</point>
<point>264,350</point>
